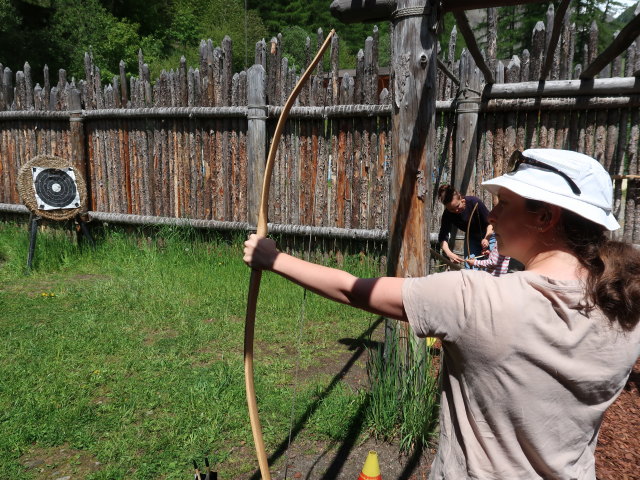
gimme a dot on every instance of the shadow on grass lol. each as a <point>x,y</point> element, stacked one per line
<point>412,464</point>
<point>358,346</point>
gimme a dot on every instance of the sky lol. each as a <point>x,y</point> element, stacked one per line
<point>627,4</point>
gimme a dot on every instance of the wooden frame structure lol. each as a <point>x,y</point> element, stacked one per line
<point>352,11</point>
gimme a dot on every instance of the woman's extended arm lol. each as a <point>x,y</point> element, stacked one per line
<point>382,296</point>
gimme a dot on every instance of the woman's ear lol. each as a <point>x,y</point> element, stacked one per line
<point>548,217</point>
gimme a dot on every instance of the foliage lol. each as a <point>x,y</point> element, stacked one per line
<point>515,25</point>
<point>59,32</point>
<point>280,16</point>
<point>404,394</point>
<point>81,25</point>
<point>194,20</point>
<point>588,12</point>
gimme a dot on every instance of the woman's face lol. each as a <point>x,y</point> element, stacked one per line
<point>457,204</point>
<point>513,225</point>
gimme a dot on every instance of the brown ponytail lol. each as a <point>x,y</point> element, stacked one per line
<point>613,283</point>
<point>446,193</point>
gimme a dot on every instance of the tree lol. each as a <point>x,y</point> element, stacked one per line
<point>59,32</point>
<point>311,15</point>
<point>194,20</point>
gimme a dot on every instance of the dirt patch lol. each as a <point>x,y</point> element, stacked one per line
<point>59,463</point>
<point>326,461</point>
<point>155,335</point>
<point>44,288</point>
<point>348,365</point>
<point>90,277</point>
<point>618,451</point>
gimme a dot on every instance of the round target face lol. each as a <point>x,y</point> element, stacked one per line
<point>55,188</point>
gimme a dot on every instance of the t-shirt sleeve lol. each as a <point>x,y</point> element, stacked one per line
<point>436,305</point>
<point>445,228</point>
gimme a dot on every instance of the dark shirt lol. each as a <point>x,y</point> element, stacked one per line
<point>478,227</point>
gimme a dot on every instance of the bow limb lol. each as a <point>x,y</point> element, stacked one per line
<point>469,229</point>
<point>256,275</point>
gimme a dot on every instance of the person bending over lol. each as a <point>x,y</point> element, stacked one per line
<point>458,210</point>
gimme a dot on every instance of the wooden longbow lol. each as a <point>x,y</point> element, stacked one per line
<point>256,275</point>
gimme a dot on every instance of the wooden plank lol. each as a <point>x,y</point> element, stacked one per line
<point>498,144</point>
<point>256,139</point>
<point>409,192</point>
<point>320,148</point>
<point>472,45</point>
<point>559,88</point>
<point>20,98</point>
<point>28,86</point>
<point>552,44</point>
<point>537,51</point>
<point>590,130</point>
<point>348,11</point>
<point>592,44</point>
<point>632,208</point>
<point>626,36</point>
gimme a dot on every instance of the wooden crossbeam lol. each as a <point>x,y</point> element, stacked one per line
<point>555,36</point>
<point>448,72</point>
<point>464,27</point>
<point>625,38</point>
<point>460,5</point>
<point>357,11</point>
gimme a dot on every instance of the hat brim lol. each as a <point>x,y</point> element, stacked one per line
<point>586,210</point>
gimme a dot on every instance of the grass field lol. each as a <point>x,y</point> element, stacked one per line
<point>129,357</point>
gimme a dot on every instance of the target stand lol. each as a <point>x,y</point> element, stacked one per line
<point>53,189</point>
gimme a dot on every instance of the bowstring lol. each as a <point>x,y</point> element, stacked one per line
<point>301,319</point>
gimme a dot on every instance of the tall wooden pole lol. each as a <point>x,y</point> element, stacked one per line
<point>413,136</point>
<point>256,138</point>
<point>414,50</point>
<point>466,140</point>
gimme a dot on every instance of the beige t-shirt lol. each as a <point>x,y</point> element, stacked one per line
<point>526,376</point>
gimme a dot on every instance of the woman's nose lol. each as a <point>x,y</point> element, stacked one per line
<point>492,215</point>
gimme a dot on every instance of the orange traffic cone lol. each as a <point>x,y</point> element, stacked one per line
<point>371,469</point>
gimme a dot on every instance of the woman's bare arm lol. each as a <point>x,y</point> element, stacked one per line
<point>382,296</point>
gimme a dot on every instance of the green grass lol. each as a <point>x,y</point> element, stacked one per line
<point>133,353</point>
<point>404,394</point>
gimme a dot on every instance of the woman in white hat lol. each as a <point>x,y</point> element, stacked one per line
<point>531,360</point>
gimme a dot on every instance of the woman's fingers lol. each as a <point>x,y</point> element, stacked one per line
<point>259,252</point>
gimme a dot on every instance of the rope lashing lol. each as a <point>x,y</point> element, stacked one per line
<point>411,12</point>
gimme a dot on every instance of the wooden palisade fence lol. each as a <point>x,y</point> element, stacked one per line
<point>191,145</point>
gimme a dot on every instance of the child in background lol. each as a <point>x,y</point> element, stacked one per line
<point>496,264</point>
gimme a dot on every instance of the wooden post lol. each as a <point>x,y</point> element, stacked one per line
<point>466,141</point>
<point>414,67</point>
<point>256,139</point>
<point>77,141</point>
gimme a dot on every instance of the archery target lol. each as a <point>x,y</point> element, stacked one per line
<point>55,188</point>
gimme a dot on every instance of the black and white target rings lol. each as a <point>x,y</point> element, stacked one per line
<point>51,187</point>
<point>55,188</point>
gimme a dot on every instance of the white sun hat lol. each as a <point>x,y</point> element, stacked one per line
<point>570,180</point>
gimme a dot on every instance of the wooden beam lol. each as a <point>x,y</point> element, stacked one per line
<point>559,88</point>
<point>553,41</point>
<point>464,27</point>
<point>460,5</point>
<point>448,72</point>
<point>413,144</point>
<point>357,11</point>
<point>625,38</point>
